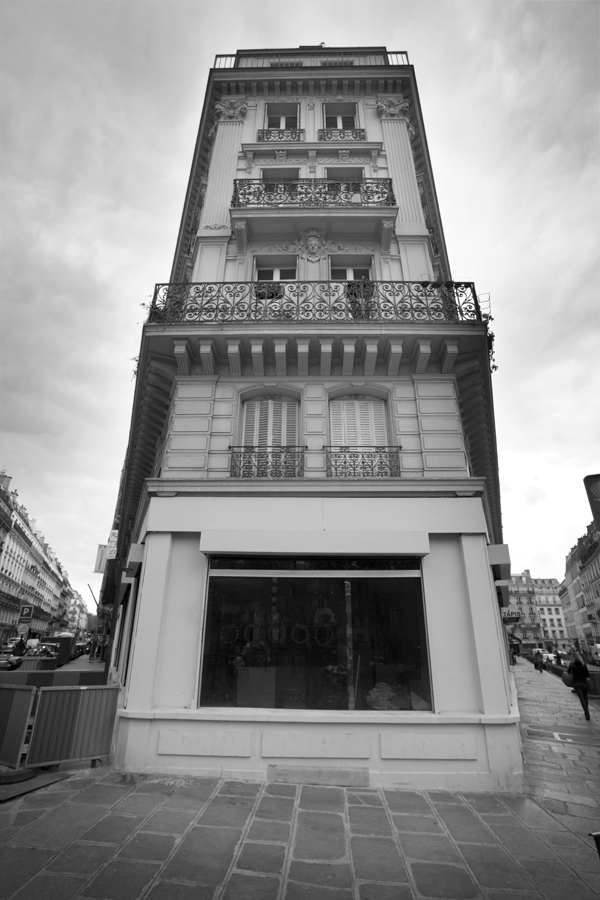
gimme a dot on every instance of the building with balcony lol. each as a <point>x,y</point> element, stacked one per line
<point>309,528</point>
<point>30,573</point>
<point>581,591</point>
<point>535,616</point>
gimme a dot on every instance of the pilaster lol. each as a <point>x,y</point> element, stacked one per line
<point>223,165</point>
<point>396,140</point>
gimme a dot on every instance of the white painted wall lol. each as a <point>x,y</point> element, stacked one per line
<point>474,733</point>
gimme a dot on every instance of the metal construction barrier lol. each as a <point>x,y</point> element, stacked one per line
<point>67,723</point>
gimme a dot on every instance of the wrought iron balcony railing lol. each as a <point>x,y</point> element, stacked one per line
<point>363,462</point>
<point>311,192</point>
<point>267,462</point>
<point>342,134</point>
<point>280,134</point>
<point>337,302</point>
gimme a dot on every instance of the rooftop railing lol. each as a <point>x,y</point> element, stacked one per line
<point>337,302</point>
<point>299,59</point>
<point>248,192</point>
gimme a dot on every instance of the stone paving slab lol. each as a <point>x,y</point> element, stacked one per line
<point>101,835</point>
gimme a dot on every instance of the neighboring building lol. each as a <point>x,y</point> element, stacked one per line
<point>30,573</point>
<point>309,523</point>
<point>77,614</point>
<point>535,616</point>
<point>581,590</point>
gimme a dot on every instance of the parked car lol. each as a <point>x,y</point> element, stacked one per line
<point>10,662</point>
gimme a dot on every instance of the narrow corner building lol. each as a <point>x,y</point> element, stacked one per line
<point>309,517</point>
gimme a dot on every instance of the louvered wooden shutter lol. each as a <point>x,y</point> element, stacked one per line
<point>270,423</point>
<point>358,422</point>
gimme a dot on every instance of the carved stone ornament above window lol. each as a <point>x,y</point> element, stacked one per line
<point>327,248</point>
<point>312,245</point>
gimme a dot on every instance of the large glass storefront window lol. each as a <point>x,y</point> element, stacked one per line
<point>326,633</point>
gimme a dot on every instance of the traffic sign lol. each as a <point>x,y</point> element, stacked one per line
<point>22,629</point>
<point>25,613</point>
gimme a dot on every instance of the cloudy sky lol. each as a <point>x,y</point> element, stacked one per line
<point>100,106</point>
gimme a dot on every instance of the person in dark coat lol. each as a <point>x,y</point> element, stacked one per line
<point>580,673</point>
<point>20,648</point>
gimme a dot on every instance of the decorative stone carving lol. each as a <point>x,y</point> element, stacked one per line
<point>394,108</point>
<point>344,155</point>
<point>228,109</point>
<point>249,161</point>
<point>231,108</point>
<point>327,247</point>
<point>312,245</point>
<point>281,156</point>
<point>215,227</point>
<point>312,162</point>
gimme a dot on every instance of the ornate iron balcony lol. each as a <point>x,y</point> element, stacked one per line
<point>363,462</point>
<point>248,192</point>
<point>280,134</point>
<point>337,302</point>
<point>267,462</point>
<point>342,134</point>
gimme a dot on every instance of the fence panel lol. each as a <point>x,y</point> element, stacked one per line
<point>72,723</point>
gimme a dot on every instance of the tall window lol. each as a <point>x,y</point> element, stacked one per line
<point>270,272</point>
<point>270,422</point>
<point>269,446</point>
<point>358,446</point>
<point>282,115</point>
<point>358,422</point>
<point>340,116</point>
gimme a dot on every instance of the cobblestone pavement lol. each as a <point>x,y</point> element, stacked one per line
<point>106,836</point>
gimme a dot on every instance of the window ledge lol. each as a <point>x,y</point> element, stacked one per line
<point>318,717</point>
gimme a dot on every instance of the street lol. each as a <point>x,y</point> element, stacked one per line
<point>103,835</point>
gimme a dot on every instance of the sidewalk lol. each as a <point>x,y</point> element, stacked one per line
<point>110,837</point>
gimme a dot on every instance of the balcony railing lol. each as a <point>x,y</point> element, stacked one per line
<point>267,462</point>
<point>363,462</point>
<point>273,135</point>
<point>342,134</point>
<point>321,302</point>
<point>313,192</point>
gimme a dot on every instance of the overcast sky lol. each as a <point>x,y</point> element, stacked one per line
<point>100,108</point>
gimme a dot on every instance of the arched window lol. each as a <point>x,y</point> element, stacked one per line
<point>270,422</point>
<point>269,440</point>
<point>359,440</point>
<point>358,422</point>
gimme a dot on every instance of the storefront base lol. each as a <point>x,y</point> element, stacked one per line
<point>423,752</point>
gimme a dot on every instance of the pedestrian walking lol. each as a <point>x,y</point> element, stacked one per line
<point>580,673</point>
<point>538,660</point>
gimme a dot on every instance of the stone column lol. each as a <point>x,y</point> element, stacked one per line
<point>230,113</point>
<point>396,141</point>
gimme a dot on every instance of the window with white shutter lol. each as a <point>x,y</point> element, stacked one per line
<point>357,422</point>
<point>359,440</point>
<point>271,422</point>
<point>269,446</point>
